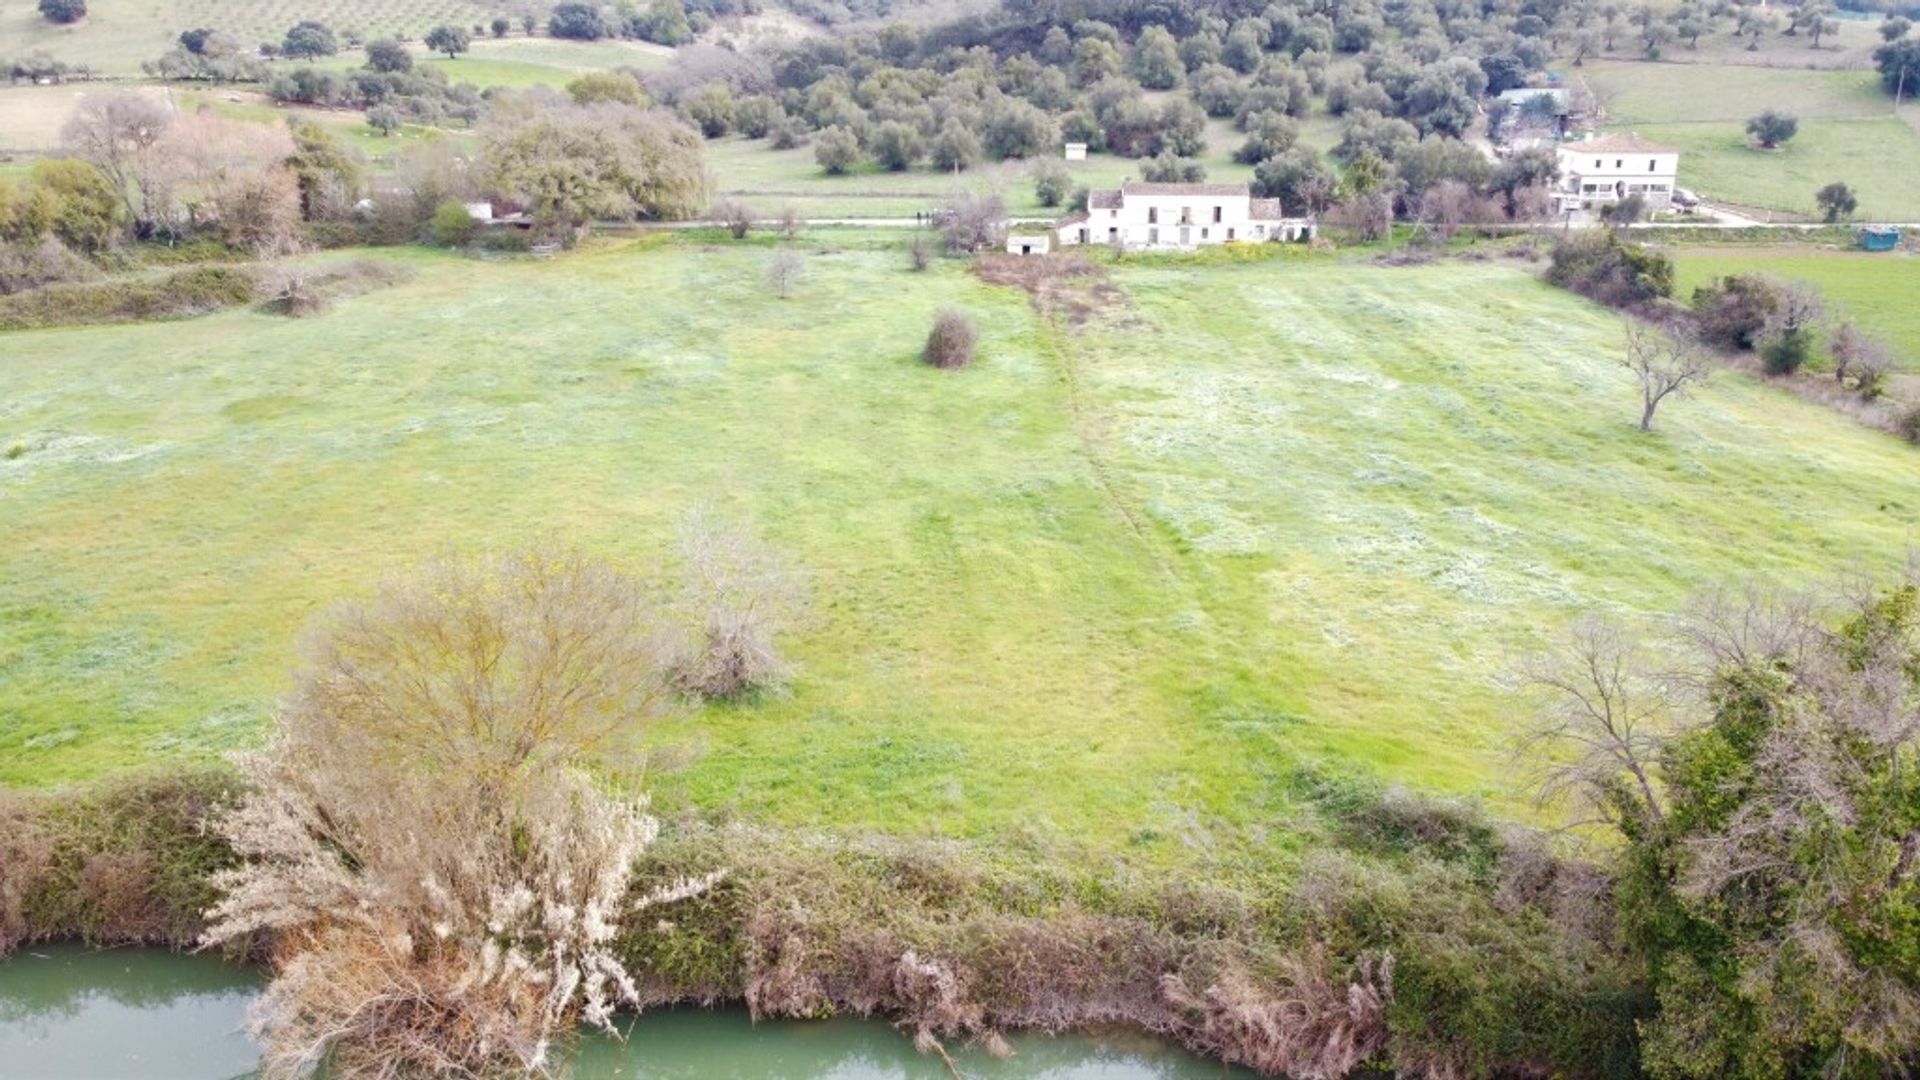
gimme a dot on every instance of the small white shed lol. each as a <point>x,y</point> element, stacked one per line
<point>480,211</point>
<point>1076,151</point>
<point>1029,243</point>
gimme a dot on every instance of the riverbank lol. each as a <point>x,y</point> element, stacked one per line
<point>70,1011</point>
<point>1413,933</point>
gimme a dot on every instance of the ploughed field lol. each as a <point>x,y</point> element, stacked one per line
<point>1112,585</point>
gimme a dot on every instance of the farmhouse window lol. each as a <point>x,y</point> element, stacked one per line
<point>1229,234</point>
<point>1153,215</point>
<point>1203,234</point>
<point>1112,235</point>
<point>1651,164</point>
<point>1153,236</point>
<point>1619,163</point>
<point>1216,215</point>
<point>1596,163</point>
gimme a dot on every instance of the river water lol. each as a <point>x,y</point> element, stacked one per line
<point>66,1011</point>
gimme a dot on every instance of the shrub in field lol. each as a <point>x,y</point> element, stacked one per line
<point>63,11</point>
<point>615,86</point>
<point>919,251</point>
<point>1052,183</point>
<point>1733,312</point>
<point>836,150</point>
<point>452,226</point>
<point>1909,425</point>
<point>181,295</point>
<point>952,341</point>
<point>784,272</point>
<point>737,216</point>
<point>1602,267</point>
<point>1788,341</point>
<point>26,266</point>
<point>422,834</point>
<point>736,597</point>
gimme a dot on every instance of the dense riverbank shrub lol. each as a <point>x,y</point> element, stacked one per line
<point>1420,937</point>
<point>179,295</point>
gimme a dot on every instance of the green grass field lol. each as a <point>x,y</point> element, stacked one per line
<point>1848,132</point>
<point>751,171</point>
<point>1877,290</point>
<point>117,35</point>
<point>1110,584</point>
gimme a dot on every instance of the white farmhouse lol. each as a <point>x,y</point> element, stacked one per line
<point>1141,215</point>
<point>1605,170</point>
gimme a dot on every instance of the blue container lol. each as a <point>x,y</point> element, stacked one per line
<point>1879,239</point>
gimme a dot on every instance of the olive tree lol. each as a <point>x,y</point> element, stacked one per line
<point>452,40</point>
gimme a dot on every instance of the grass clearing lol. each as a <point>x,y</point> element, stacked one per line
<point>1877,290</point>
<point>767,179</point>
<point>1105,585</point>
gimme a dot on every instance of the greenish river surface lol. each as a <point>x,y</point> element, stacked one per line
<point>66,1011</point>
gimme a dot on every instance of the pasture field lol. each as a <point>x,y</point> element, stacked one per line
<point>769,180</point>
<point>521,62</point>
<point>1848,131</point>
<point>117,35</point>
<point>1111,585</point>
<point>1877,290</point>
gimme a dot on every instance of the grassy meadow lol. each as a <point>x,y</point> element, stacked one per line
<point>1113,583</point>
<point>117,35</point>
<point>1877,290</point>
<point>1848,131</point>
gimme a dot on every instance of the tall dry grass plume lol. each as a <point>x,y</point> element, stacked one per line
<point>426,835</point>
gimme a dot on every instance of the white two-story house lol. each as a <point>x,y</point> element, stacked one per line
<point>1142,215</point>
<point>1604,170</point>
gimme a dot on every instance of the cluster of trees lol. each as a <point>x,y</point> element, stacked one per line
<point>389,87</point>
<point>1757,776</point>
<point>137,171</point>
<point>1784,323</point>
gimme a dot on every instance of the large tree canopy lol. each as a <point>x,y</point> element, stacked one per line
<point>575,163</point>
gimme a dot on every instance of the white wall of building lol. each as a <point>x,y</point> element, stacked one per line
<point>1590,178</point>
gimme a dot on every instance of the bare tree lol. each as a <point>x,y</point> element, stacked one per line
<point>789,223</point>
<point>1448,204</point>
<point>973,223</point>
<point>443,874</point>
<point>919,251</point>
<point>784,272</point>
<point>1665,362</point>
<point>737,598</point>
<point>737,216</point>
<point>119,134</point>
<point>1597,732</point>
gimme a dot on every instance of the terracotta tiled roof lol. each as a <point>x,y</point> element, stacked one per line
<point>1624,143</point>
<point>1074,218</point>
<point>1265,210</point>
<point>1136,187</point>
<point>1104,200</point>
